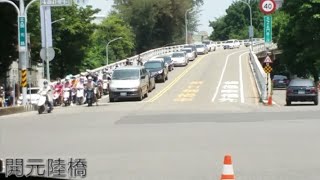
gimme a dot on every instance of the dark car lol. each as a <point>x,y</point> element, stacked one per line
<point>280,81</point>
<point>301,90</point>
<point>168,61</point>
<point>157,68</point>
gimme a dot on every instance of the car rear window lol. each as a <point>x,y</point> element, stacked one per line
<point>177,55</point>
<point>301,83</point>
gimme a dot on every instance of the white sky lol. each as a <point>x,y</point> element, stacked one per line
<point>210,10</point>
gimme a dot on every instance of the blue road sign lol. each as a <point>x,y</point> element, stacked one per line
<point>22,33</point>
<point>267,29</point>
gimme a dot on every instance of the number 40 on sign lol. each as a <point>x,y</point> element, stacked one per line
<point>267,6</point>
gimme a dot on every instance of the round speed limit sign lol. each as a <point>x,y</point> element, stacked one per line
<point>267,6</point>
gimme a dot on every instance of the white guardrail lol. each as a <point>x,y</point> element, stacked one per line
<point>257,69</point>
<point>258,72</point>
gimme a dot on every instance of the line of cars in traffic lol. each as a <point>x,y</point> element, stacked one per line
<point>135,82</point>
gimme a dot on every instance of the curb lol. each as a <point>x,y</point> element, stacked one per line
<point>17,109</point>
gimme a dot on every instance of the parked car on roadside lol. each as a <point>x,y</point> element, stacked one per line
<point>157,68</point>
<point>180,58</point>
<point>301,90</point>
<point>202,49</point>
<point>32,96</point>
<point>129,82</point>
<point>194,49</point>
<point>189,53</point>
<point>168,61</point>
<point>280,81</point>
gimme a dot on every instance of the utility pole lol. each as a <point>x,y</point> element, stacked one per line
<point>186,23</point>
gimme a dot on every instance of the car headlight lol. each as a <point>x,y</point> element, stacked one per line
<point>161,71</point>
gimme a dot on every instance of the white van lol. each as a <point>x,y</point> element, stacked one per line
<point>231,44</point>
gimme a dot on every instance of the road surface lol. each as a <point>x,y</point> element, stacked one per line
<point>180,132</point>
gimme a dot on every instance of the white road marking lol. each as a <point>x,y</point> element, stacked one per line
<point>222,74</point>
<point>241,78</point>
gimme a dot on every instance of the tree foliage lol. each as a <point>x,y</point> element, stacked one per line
<point>235,24</point>
<point>112,27</point>
<point>155,22</point>
<point>300,38</point>
<point>8,38</point>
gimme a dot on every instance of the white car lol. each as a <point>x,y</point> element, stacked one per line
<point>202,49</point>
<point>179,58</point>
<point>32,96</point>
<point>231,44</point>
<point>212,46</point>
<point>190,55</point>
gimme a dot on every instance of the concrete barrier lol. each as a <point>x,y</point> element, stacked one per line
<point>17,109</point>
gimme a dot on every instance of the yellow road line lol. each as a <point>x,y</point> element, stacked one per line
<point>167,88</point>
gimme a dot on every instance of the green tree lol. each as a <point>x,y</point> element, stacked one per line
<point>156,22</point>
<point>235,24</point>
<point>112,27</point>
<point>300,39</point>
<point>8,36</point>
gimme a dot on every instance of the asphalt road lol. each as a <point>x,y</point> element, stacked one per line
<point>180,132</point>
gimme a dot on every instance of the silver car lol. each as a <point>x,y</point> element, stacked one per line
<point>190,55</point>
<point>129,82</point>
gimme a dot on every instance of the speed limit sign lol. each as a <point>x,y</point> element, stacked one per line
<point>267,6</point>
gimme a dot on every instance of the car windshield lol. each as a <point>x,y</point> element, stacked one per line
<point>301,82</point>
<point>230,41</point>
<point>177,55</point>
<point>279,77</point>
<point>206,42</point>
<point>167,59</point>
<point>200,46</point>
<point>125,74</point>
<point>153,65</point>
<point>187,50</point>
<point>33,91</point>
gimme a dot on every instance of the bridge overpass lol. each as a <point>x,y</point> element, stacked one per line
<point>182,130</point>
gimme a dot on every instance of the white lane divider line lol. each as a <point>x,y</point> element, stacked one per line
<point>241,78</point>
<point>222,74</point>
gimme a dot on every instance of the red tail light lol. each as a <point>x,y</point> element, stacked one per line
<point>313,90</point>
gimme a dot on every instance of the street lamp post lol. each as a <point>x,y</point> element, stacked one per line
<point>251,27</point>
<point>46,47</point>
<point>107,48</point>
<point>186,23</point>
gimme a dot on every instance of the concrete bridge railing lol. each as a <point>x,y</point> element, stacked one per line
<point>260,76</point>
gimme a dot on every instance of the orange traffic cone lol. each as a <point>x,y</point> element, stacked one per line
<point>227,173</point>
<point>270,101</point>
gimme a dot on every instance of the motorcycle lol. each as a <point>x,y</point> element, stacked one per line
<point>105,87</point>
<point>90,96</point>
<point>73,95</point>
<point>43,104</point>
<point>56,97</point>
<point>66,96</point>
<point>99,89</point>
<point>80,95</point>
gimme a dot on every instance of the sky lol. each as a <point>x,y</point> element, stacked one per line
<point>210,10</point>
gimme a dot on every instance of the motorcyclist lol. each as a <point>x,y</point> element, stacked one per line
<point>91,85</point>
<point>2,96</point>
<point>128,63</point>
<point>48,91</point>
<point>74,83</point>
<point>59,87</point>
<point>139,61</point>
<point>67,84</point>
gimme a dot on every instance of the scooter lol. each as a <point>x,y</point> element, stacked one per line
<point>90,96</point>
<point>56,97</point>
<point>43,104</point>
<point>105,87</point>
<point>73,95</point>
<point>66,96</point>
<point>80,95</point>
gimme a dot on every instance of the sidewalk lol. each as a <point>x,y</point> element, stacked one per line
<point>16,109</point>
